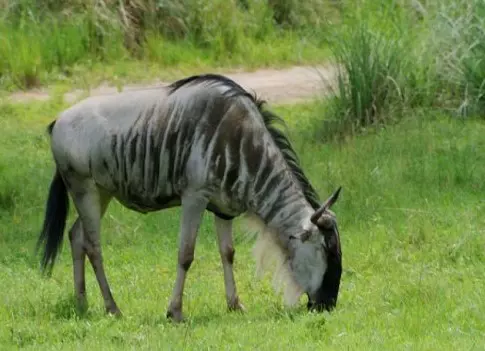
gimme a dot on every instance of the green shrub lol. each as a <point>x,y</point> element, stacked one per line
<point>409,57</point>
<point>44,37</point>
<point>371,81</point>
<point>460,33</point>
<point>35,40</point>
<point>304,14</point>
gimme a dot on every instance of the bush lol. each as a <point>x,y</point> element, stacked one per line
<point>406,59</point>
<point>377,78</point>
<point>40,37</point>
<point>304,14</point>
<point>460,32</point>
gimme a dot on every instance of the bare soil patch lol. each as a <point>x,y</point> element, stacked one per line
<point>278,86</point>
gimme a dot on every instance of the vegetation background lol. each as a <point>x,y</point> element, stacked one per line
<point>403,132</point>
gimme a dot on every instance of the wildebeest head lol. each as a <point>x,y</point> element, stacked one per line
<point>316,258</point>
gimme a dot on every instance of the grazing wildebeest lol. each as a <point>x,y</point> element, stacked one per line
<point>202,143</point>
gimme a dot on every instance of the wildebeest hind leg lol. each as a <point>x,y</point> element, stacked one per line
<point>78,252</point>
<point>226,250</point>
<point>91,203</point>
<point>193,207</point>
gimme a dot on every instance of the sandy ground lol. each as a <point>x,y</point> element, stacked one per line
<point>284,86</point>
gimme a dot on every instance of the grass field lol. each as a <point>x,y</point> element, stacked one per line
<point>411,213</point>
<point>411,220</point>
<point>74,41</point>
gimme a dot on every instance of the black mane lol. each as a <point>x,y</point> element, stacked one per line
<point>270,120</point>
<point>236,89</point>
<point>289,154</point>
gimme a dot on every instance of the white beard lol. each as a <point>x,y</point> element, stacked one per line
<point>269,256</point>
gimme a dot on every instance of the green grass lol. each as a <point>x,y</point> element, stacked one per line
<point>43,43</point>
<point>405,59</point>
<point>383,69</point>
<point>164,59</point>
<point>411,220</point>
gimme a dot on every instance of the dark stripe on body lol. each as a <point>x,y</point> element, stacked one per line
<point>141,147</point>
<point>155,153</point>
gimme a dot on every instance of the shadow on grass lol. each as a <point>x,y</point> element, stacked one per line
<point>273,313</point>
<point>66,309</point>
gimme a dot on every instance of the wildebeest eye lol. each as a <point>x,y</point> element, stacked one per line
<point>304,236</point>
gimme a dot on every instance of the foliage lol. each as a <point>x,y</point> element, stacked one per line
<point>369,81</point>
<point>460,33</point>
<point>426,56</point>
<point>48,38</point>
<point>411,217</point>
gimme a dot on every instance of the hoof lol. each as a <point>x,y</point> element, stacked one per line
<point>114,311</point>
<point>81,306</point>
<point>236,306</point>
<point>175,316</point>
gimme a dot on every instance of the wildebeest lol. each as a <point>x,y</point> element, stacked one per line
<point>202,143</point>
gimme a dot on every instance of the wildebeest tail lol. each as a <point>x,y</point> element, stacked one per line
<point>50,127</point>
<point>56,213</point>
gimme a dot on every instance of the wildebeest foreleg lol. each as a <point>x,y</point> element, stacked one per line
<point>226,250</point>
<point>193,207</point>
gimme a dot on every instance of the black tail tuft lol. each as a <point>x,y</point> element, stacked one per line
<point>54,223</point>
<point>50,127</point>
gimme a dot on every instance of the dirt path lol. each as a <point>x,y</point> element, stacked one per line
<point>283,86</point>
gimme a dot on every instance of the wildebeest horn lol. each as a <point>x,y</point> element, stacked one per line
<point>326,205</point>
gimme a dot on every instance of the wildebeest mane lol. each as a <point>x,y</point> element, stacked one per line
<point>291,158</point>
<point>235,89</point>
<point>270,120</point>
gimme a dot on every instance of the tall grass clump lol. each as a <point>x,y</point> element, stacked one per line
<point>369,80</point>
<point>380,72</point>
<point>419,54</point>
<point>459,29</point>
<point>39,39</point>
<point>305,14</point>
